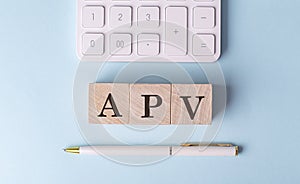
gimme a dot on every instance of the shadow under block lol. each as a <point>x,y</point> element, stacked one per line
<point>108,103</point>
<point>191,104</point>
<point>150,104</point>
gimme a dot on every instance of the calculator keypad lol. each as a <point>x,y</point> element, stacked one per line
<point>149,30</point>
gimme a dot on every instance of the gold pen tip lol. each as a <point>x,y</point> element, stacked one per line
<point>75,150</point>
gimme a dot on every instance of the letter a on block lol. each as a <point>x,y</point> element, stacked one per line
<point>191,104</point>
<point>113,107</point>
<point>108,103</point>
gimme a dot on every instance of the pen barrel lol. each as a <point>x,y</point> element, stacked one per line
<point>126,150</point>
<point>205,151</point>
<point>160,150</point>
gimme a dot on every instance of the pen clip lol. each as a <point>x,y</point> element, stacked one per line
<point>203,144</point>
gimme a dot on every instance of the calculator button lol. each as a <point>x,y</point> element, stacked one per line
<point>93,44</point>
<point>93,16</point>
<point>148,17</point>
<point>148,44</point>
<point>204,17</point>
<point>120,44</point>
<point>203,45</point>
<point>120,16</point>
<point>176,31</point>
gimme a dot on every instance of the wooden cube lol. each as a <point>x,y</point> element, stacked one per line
<point>191,104</point>
<point>150,104</point>
<point>108,103</point>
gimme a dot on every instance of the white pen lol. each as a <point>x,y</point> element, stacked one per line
<point>187,149</point>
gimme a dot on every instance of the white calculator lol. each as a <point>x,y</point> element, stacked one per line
<point>149,30</point>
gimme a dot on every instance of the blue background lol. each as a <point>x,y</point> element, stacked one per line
<point>260,61</point>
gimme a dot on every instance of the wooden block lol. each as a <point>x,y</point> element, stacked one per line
<point>150,104</point>
<point>108,103</point>
<point>191,104</point>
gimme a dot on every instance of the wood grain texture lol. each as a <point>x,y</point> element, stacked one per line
<point>98,94</point>
<point>184,101</point>
<point>160,114</point>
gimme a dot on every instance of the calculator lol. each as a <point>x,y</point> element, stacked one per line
<point>149,30</point>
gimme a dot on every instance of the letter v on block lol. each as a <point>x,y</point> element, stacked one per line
<point>188,105</point>
<point>191,104</point>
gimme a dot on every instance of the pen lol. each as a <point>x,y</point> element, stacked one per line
<point>187,149</point>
